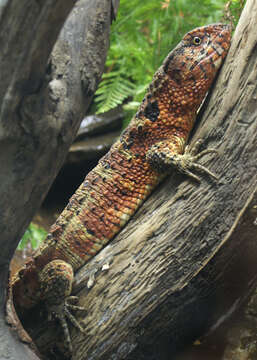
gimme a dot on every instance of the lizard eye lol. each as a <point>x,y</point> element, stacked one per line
<point>197,40</point>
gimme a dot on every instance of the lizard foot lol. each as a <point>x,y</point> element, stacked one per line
<point>163,157</point>
<point>56,280</point>
<point>63,312</point>
<point>190,158</point>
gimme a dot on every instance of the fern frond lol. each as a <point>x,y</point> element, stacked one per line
<point>112,91</point>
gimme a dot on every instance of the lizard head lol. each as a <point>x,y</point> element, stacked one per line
<point>193,64</point>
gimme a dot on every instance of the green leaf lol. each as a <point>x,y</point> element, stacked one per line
<point>113,90</point>
<point>33,236</point>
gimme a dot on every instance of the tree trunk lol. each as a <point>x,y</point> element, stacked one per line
<point>42,102</point>
<point>187,259</point>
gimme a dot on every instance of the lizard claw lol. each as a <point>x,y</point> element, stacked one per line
<point>194,155</point>
<point>163,158</point>
<point>62,312</point>
<point>187,162</point>
<point>194,150</point>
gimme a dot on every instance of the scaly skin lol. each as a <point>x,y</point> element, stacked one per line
<point>153,142</point>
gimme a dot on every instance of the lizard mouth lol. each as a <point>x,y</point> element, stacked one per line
<point>221,41</point>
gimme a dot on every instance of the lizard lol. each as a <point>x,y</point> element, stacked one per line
<point>151,146</point>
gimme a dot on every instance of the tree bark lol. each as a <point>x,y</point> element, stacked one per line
<point>187,259</point>
<point>42,102</point>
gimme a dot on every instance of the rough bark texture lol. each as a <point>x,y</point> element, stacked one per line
<point>187,259</point>
<point>42,102</point>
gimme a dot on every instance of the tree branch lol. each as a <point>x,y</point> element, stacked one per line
<point>42,103</point>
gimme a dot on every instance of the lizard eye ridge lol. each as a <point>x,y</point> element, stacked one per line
<point>197,40</point>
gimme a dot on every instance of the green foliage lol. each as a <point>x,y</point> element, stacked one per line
<point>232,11</point>
<point>114,89</point>
<point>34,235</point>
<point>142,36</point>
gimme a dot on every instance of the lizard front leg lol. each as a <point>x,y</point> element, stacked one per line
<point>168,154</point>
<point>56,280</point>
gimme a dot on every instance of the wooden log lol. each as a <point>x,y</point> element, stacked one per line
<point>42,102</point>
<point>187,259</point>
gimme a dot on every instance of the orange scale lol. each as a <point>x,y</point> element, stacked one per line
<point>102,204</point>
<point>118,200</point>
<point>105,192</point>
<point>116,177</point>
<point>110,233</point>
<point>139,192</point>
<point>107,223</point>
<point>111,212</point>
<point>112,227</point>
<point>114,219</point>
<point>101,227</point>
<point>130,204</point>
<point>81,247</point>
<point>95,232</point>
